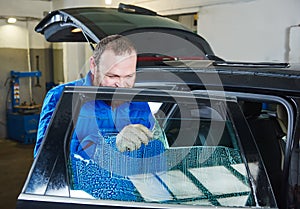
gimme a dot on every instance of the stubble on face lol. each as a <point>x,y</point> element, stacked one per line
<point>115,70</point>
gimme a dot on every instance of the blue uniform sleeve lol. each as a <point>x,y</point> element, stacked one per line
<point>48,108</point>
<point>140,113</point>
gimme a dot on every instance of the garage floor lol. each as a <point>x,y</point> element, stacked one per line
<point>15,163</point>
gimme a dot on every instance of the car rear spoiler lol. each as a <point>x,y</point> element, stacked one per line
<point>251,64</point>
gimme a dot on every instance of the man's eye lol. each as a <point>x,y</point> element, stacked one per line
<point>111,76</point>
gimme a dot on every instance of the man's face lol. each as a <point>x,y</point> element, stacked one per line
<point>114,70</point>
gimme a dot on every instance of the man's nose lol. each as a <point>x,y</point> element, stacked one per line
<point>120,82</point>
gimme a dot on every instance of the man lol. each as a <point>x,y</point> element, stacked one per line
<point>110,146</point>
<point>111,139</point>
<point>113,64</point>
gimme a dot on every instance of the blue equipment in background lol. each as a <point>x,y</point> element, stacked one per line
<point>22,118</point>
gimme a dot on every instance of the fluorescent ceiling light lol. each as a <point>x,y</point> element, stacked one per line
<point>11,20</point>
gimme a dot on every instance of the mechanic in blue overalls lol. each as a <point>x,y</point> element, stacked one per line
<point>119,131</point>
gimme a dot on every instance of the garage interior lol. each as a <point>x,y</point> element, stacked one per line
<point>237,30</point>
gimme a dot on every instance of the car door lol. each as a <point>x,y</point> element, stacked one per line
<point>201,154</point>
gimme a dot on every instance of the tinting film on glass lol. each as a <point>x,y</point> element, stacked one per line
<point>156,152</point>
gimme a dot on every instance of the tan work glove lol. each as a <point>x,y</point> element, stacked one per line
<point>132,136</point>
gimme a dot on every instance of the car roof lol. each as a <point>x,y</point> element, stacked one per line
<point>262,79</point>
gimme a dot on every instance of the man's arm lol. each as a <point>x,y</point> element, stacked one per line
<point>144,128</point>
<point>48,108</point>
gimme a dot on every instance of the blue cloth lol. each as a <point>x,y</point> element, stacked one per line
<point>49,106</point>
<point>99,118</point>
<point>107,176</point>
<point>98,168</point>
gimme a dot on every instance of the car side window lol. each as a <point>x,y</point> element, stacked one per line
<point>193,157</point>
<point>268,122</point>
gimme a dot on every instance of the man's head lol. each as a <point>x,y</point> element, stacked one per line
<point>113,62</point>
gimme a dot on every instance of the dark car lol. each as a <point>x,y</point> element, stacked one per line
<point>230,130</point>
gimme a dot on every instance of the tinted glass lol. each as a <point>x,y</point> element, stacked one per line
<point>200,152</point>
<point>110,21</point>
<point>192,158</point>
<point>155,37</point>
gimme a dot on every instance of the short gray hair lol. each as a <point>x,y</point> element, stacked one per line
<point>119,44</point>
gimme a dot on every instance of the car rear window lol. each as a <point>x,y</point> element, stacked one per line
<point>110,21</point>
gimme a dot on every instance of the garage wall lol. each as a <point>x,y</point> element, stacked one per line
<point>76,68</point>
<point>19,46</point>
<point>252,31</point>
<point>243,30</point>
<point>24,8</point>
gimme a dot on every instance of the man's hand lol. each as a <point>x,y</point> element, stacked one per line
<point>132,136</point>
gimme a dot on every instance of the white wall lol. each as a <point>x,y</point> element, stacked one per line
<point>242,30</point>
<point>58,4</point>
<point>17,42</point>
<point>292,46</point>
<point>21,34</point>
<point>165,7</point>
<point>76,60</point>
<point>76,55</point>
<point>23,8</point>
<point>251,31</point>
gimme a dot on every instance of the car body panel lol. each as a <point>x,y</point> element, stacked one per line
<point>262,80</point>
<point>103,21</point>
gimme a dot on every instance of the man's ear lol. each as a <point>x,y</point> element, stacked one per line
<point>92,65</point>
